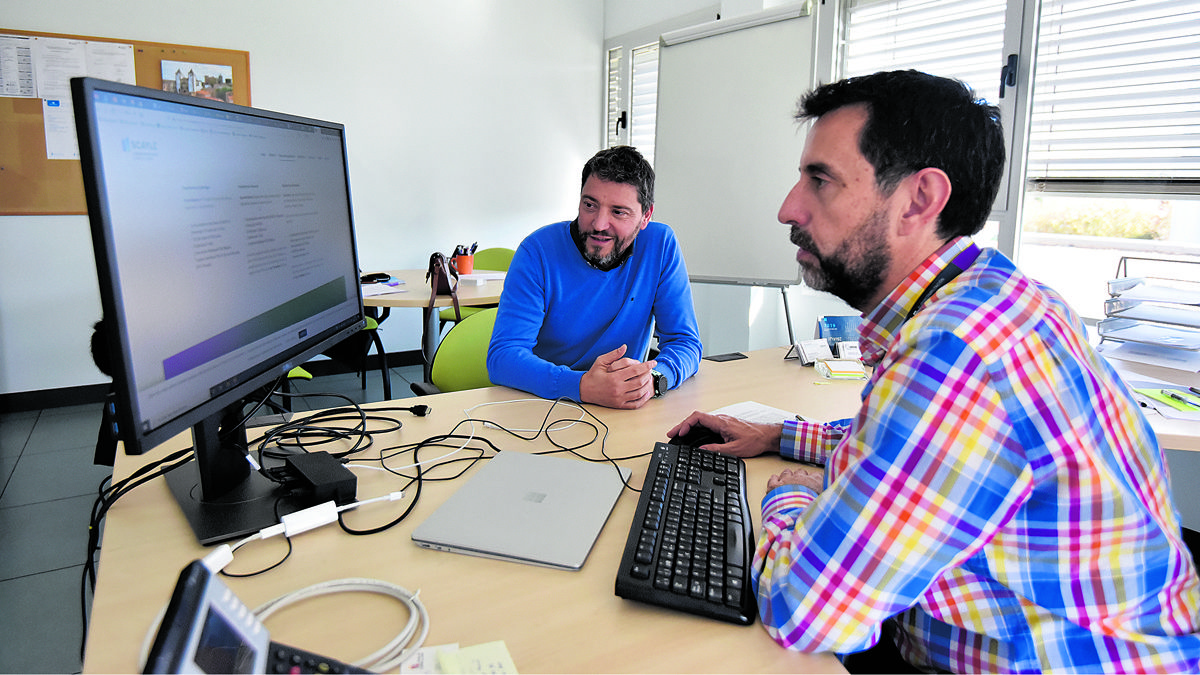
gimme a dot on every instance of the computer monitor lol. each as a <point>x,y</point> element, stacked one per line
<point>225,255</point>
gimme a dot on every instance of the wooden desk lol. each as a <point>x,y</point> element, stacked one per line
<point>416,294</point>
<point>551,621</point>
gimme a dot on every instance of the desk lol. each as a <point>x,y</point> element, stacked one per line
<point>551,620</point>
<point>1173,434</point>
<point>416,294</point>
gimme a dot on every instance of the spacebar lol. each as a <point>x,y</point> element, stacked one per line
<point>735,553</point>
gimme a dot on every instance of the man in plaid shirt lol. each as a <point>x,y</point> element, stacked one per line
<point>998,503</point>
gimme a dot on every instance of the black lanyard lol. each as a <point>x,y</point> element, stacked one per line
<point>960,262</point>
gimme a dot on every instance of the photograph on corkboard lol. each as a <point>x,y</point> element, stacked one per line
<point>205,80</point>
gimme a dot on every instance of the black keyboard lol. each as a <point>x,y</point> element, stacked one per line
<point>690,545</point>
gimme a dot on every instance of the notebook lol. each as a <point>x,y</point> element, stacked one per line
<point>538,509</point>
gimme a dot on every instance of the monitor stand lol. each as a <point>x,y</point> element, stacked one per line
<point>255,504</point>
<point>221,496</point>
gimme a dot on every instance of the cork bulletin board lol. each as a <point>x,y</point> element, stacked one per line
<point>33,184</point>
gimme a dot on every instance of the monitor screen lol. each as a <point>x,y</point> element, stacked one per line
<point>225,255</point>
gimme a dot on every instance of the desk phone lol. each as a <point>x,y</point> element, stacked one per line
<point>207,629</point>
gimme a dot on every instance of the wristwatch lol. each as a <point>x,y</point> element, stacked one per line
<point>660,383</point>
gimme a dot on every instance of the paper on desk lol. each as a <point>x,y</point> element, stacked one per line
<point>1165,357</point>
<point>489,657</point>
<point>424,661</point>
<point>1149,394</point>
<point>757,413</point>
<point>480,278</point>
<point>393,286</point>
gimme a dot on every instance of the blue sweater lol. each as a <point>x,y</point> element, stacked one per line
<point>557,313</point>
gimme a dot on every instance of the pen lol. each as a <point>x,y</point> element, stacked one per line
<point>473,247</point>
<point>1172,394</point>
<point>1194,390</point>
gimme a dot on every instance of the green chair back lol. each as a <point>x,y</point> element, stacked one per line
<point>461,359</point>
<point>494,259</point>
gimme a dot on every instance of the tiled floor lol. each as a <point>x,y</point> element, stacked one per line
<point>47,486</point>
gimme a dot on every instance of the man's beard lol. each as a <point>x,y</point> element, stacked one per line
<point>622,249</point>
<point>854,272</point>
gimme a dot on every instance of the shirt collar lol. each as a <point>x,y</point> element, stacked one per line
<point>882,324</point>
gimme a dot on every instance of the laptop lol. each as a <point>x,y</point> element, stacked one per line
<point>537,509</point>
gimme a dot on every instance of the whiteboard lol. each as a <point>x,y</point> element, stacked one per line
<point>727,147</point>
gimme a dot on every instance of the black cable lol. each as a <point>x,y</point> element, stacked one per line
<point>107,497</point>
<point>277,563</point>
<point>268,568</point>
<point>547,427</point>
<point>419,479</point>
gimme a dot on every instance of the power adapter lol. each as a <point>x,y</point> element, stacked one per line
<point>322,476</point>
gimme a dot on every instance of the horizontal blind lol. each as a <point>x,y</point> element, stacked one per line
<point>1117,93</point>
<point>962,39</point>
<point>614,96</point>
<point>643,106</point>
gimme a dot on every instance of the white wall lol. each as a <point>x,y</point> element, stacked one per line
<point>467,120</point>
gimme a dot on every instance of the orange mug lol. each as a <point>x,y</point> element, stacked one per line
<point>464,264</point>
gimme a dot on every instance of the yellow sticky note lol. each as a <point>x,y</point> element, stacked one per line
<point>489,657</point>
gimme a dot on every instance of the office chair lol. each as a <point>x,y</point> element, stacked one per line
<point>460,361</point>
<point>356,351</point>
<point>489,259</point>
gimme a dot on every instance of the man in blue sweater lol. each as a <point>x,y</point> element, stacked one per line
<point>575,316</point>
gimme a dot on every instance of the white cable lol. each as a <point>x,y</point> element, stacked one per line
<point>389,497</point>
<point>436,459</point>
<point>388,657</point>
<point>365,466</point>
<point>469,412</point>
<point>395,652</point>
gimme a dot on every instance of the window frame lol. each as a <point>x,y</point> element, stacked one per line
<point>627,43</point>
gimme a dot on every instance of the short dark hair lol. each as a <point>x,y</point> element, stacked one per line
<point>623,164</point>
<point>916,120</point>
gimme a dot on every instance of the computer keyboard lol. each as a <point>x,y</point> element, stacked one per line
<point>690,543</point>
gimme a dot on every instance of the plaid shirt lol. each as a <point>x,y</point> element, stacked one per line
<point>999,489</point>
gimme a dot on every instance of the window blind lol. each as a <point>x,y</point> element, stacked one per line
<point>963,39</point>
<point>1117,96</point>
<point>614,97</point>
<point>643,107</point>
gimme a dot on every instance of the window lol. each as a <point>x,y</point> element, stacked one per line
<point>963,39</point>
<point>633,98</point>
<point>1114,142</point>
<point>632,83</point>
<point>1111,164</point>
<point>644,100</point>
<point>1104,68</point>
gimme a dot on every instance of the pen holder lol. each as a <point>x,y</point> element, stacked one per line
<point>464,264</point>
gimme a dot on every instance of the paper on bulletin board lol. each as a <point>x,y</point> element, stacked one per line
<point>16,67</point>
<point>55,62</point>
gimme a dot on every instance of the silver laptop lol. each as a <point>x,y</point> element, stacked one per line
<point>537,509</point>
